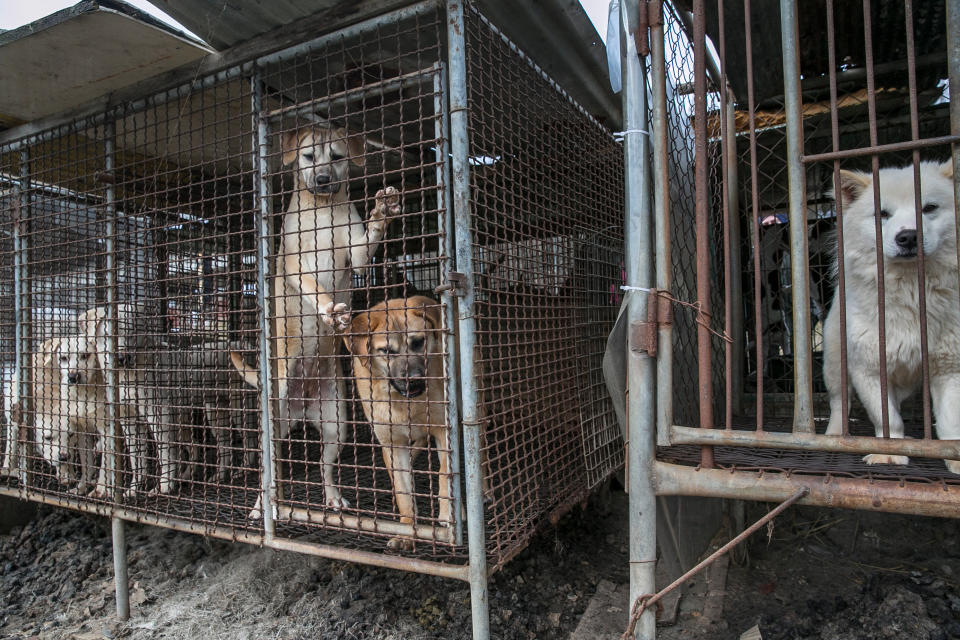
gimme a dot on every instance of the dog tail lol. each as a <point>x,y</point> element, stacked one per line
<point>248,373</point>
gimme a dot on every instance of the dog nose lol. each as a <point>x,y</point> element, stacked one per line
<point>322,180</point>
<point>64,456</point>
<point>73,378</point>
<point>121,359</point>
<point>907,239</point>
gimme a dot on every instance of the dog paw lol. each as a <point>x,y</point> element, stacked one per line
<point>336,316</point>
<point>400,544</point>
<point>255,514</point>
<point>337,502</point>
<point>882,458</point>
<point>388,204</point>
<point>953,466</point>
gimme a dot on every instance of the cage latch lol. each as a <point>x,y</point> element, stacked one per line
<point>643,335</point>
<point>456,283</point>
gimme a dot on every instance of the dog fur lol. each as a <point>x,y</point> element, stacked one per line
<point>903,352</point>
<point>323,241</point>
<point>398,371</point>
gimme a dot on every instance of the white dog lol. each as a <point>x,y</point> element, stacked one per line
<point>901,288</point>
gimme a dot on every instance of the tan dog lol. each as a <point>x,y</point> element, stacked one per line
<point>323,241</point>
<point>398,367</point>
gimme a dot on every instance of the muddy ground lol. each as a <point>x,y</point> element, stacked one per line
<point>818,574</point>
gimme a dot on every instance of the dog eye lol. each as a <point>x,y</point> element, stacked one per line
<point>416,344</point>
<point>884,214</point>
<point>383,350</point>
<point>308,157</point>
<point>334,157</point>
<point>930,207</point>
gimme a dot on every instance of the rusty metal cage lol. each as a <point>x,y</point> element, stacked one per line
<point>244,304</point>
<point>805,264</point>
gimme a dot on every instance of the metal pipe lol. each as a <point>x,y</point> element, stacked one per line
<point>20,448</point>
<point>425,532</point>
<point>661,203</point>
<point>120,580</point>
<point>814,442</point>
<point>110,322</point>
<point>213,69</point>
<point>735,301</point>
<point>446,226</point>
<point>641,368</point>
<point>907,145</point>
<point>262,209</point>
<point>702,190</point>
<point>466,323</point>
<point>953,73</point>
<point>799,269</point>
<point>401,563</point>
<point>890,496</point>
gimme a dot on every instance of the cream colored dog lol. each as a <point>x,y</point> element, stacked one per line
<point>323,241</point>
<point>903,352</point>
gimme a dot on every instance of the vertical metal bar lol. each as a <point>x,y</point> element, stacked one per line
<point>735,296</point>
<point>878,225</point>
<point>841,294</point>
<point>21,447</point>
<point>446,225</point>
<point>918,206</point>
<point>262,211</point>
<point>704,355</point>
<point>120,578</point>
<point>466,323</point>
<point>953,73</point>
<point>661,202</point>
<point>799,270</point>
<point>641,368</point>
<point>755,217</point>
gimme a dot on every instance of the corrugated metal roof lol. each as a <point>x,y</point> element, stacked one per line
<point>82,52</point>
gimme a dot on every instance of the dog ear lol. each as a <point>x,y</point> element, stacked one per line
<point>357,148</point>
<point>852,184</point>
<point>428,308</point>
<point>290,146</point>
<point>89,322</point>
<point>358,342</point>
<point>946,169</point>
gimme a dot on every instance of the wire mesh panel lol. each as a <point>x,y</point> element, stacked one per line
<point>845,349</point>
<point>548,260</point>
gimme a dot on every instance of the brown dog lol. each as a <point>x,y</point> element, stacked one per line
<point>398,368</point>
<point>323,241</point>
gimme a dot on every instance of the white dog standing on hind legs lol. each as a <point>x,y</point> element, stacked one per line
<point>897,210</point>
<point>324,239</point>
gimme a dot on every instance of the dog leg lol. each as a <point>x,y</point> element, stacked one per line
<point>400,465</point>
<point>86,449</point>
<point>387,205</point>
<point>868,390</point>
<point>219,422</point>
<point>332,426</point>
<point>945,394</point>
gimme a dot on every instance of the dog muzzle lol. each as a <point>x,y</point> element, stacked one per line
<point>413,388</point>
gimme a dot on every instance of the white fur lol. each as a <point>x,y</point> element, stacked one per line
<point>901,298</point>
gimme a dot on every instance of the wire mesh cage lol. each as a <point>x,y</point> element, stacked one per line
<point>790,380</point>
<point>233,303</point>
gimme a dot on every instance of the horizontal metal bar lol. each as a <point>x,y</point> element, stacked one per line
<point>815,442</point>
<point>425,532</point>
<point>426,567</point>
<point>908,145</point>
<point>212,69</point>
<point>890,496</point>
<point>412,79</point>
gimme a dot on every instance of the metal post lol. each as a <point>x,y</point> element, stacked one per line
<point>120,581</point>
<point>953,71</point>
<point>736,289</point>
<point>466,324</point>
<point>799,270</point>
<point>641,371</point>
<point>446,226</point>
<point>20,447</point>
<point>262,208</point>
<point>661,202</point>
<point>120,578</point>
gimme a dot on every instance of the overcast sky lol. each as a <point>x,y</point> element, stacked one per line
<point>15,13</point>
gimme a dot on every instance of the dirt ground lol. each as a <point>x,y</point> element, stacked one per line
<point>818,574</point>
